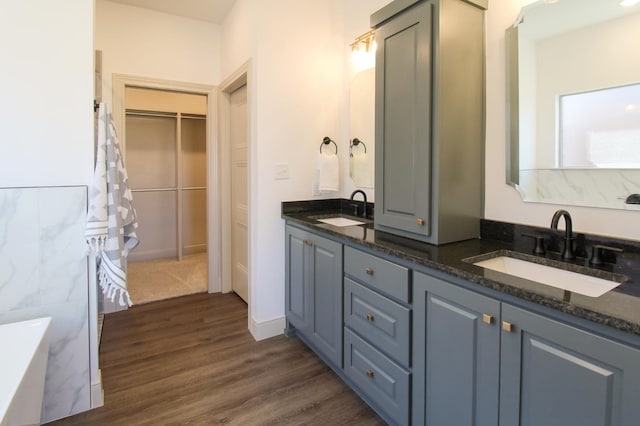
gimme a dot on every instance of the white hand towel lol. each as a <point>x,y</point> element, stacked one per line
<point>362,170</point>
<point>328,172</point>
<point>111,218</point>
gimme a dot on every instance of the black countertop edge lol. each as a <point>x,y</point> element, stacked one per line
<point>448,259</point>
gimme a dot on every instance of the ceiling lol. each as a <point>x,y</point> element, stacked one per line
<point>213,11</point>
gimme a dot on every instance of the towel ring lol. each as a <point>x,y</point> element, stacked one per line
<point>326,141</point>
<point>356,142</point>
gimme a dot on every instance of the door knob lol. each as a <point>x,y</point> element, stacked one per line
<point>507,326</point>
<point>420,221</point>
<point>369,271</point>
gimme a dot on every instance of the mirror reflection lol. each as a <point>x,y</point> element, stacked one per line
<point>574,102</point>
<point>362,129</point>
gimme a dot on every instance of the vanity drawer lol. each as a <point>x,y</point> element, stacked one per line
<point>384,382</point>
<point>380,321</point>
<point>378,273</point>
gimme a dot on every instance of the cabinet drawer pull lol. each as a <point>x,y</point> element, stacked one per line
<point>507,326</point>
<point>308,242</point>
<point>369,271</point>
<point>487,319</point>
<point>370,317</point>
<point>369,373</point>
<point>420,221</point>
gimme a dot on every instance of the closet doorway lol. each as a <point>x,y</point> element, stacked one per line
<point>166,155</point>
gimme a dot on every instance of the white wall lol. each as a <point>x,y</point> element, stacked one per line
<point>502,202</point>
<point>146,43</point>
<point>46,87</point>
<point>298,50</point>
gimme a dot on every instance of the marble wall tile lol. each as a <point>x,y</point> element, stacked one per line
<point>606,188</point>
<point>63,255</point>
<point>19,248</point>
<point>44,272</point>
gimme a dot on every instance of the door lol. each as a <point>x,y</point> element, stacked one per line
<point>239,193</point>
<point>403,127</point>
<point>553,374</point>
<point>456,355</point>
<point>297,277</point>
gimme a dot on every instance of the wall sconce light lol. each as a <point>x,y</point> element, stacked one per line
<point>363,51</point>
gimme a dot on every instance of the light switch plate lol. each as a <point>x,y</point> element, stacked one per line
<point>281,171</point>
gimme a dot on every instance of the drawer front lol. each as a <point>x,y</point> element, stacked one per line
<point>380,379</point>
<point>380,321</point>
<point>378,273</point>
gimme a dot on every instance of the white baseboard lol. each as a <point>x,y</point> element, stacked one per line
<point>97,392</point>
<point>266,329</point>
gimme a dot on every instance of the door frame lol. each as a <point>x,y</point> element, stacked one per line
<point>237,79</point>
<point>120,82</point>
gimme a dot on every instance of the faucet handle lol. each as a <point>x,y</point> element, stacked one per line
<point>539,249</point>
<point>355,209</point>
<point>597,251</point>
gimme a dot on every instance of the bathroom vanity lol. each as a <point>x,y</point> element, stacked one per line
<point>424,336</point>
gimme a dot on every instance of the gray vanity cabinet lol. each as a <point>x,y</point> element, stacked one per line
<point>553,374</point>
<point>480,361</point>
<point>429,118</point>
<point>456,347</point>
<point>313,292</point>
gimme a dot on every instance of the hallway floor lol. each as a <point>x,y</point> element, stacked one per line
<point>191,360</point>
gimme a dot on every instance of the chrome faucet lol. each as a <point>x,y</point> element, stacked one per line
<point>355,206</point>
<point>567,252</point>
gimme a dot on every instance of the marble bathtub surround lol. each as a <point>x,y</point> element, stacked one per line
<point>44,272</point>
<point>619,308</point>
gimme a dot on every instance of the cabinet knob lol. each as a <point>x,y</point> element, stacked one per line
<point>370,317</point>
<point>487,319</point>
<point>369,373</point>
<point>308,242</point>
<point>369,271</point>
<point>420,221</point>
<point>507,326</point>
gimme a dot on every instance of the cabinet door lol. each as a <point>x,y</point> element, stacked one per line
<point>456,341</point>
<point>553,374</point>
<point>403,121</point>
<point>326,298</point>
<point>297,278</point>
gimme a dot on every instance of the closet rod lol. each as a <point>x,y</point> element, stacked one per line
<point>154,189</point>
<point>195,116</point>
<point>152,113</point>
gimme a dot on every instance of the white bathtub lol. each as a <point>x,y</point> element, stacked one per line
<point>23,364</point>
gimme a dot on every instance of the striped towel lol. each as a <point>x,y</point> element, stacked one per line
<point>111,218</point>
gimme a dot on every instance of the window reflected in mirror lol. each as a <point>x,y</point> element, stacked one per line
<point>600,128</point>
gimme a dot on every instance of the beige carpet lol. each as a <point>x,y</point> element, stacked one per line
<point>160,279</point>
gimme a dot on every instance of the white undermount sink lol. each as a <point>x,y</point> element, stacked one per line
<point>548,275</point>
<point>340,221</point>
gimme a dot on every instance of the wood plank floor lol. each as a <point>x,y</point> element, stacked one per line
<point>192,361</point>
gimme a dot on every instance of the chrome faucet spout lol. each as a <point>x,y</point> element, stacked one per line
<point>567,252</point>
<point>364,210</point>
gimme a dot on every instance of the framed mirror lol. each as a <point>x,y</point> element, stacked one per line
<point>573,88</point>
<point>362,128</point>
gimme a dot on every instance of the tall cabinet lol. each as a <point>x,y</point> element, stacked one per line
<point>429,118</point>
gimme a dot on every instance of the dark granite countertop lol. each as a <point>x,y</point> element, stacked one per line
<point>618,308</point>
